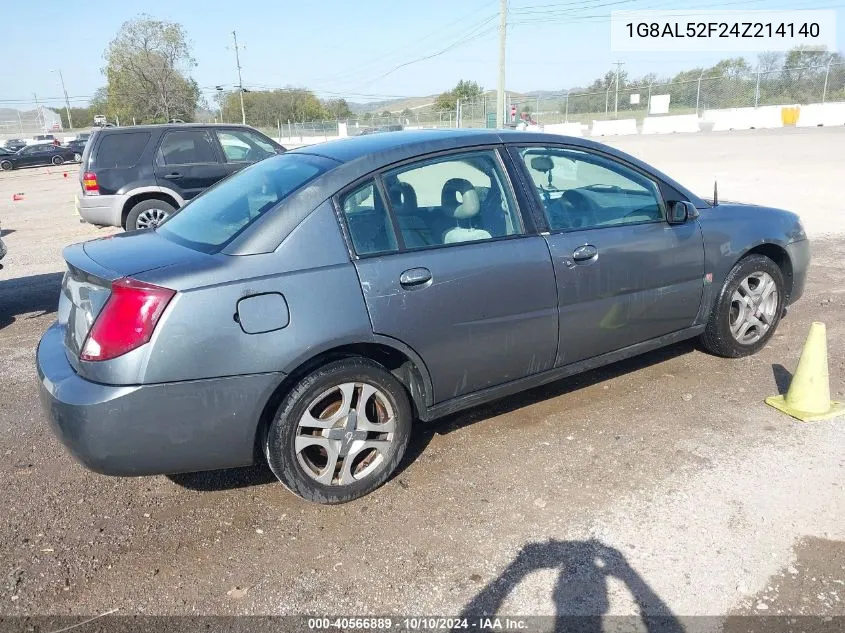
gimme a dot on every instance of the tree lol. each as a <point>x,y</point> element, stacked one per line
<point>385,113</point>
<point>147,68</point>
<point>464,90</point>
<point>264,108</point>
<point>337,109</point>
<point>406,113</point>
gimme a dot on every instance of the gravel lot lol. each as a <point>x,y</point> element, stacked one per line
<point>662,483</point>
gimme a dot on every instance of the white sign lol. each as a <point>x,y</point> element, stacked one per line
<point>635,99</point>
<point>690,30</point>
<point>659,104</point>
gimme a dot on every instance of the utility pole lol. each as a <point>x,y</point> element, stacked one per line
<point>240,80</point>
<point>616,101</point>
<point>67,101</point>
<point>500,100</point>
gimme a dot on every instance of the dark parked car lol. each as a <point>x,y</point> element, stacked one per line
<point>15,144</point>
<point>309,309</point>
<point>136,177</point>
<point>41,154</point>
<point>78,147</point>
<point>2,248</point>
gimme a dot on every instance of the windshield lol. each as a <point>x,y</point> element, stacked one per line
<point>216,217</point>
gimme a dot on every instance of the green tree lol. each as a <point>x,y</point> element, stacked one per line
<point>464,90</point>
<point>407,113</point>
<point>147,69</point>
<point>337,109</point>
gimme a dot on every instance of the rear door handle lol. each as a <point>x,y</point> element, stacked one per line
<point>584,253</point>
<point>414,277</point>
<point>173,176</point>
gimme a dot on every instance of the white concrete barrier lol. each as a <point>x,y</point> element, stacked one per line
<point>566,129</point>
<point>670,124</point>
<point>816,114</point>
<point>614,127</point>
<point>745,118</point>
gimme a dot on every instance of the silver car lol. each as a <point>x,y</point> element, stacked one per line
<point>310,308</point>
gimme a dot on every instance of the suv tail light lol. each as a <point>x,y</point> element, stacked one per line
<point>89,184</point>
<point>127,321</point>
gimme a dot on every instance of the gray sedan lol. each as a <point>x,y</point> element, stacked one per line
<point>310,308</point>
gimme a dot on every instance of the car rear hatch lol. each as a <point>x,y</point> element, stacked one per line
<point>94,266</point>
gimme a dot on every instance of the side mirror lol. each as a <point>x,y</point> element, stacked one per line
<point>680,211</point>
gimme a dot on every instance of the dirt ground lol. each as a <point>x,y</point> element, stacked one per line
<point>660,484</point>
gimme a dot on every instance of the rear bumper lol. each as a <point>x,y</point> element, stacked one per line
<point>151,429</point>
<point>799,256</point>
<point>100,210</point>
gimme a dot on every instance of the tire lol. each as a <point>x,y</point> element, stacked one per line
<point>316,398</point>
<point>57,160</point>
<point>148,214</point>
<point>6,165</point>
<point>77,157</point>
<point>740,326</point>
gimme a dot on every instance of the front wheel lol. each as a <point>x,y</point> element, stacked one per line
<point>77,157</point>
<point>57,160</point>
<point>340,432</point>
<point>6,165</point>
<point>748,309</point>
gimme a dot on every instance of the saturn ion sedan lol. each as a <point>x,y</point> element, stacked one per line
<point>310,308</point>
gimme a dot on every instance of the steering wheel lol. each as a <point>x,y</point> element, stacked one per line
<point>647,211</point>
<point>579,210</point>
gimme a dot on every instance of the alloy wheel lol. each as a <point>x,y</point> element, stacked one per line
<point>754,307</point>
<point>150,218</point>
<point>345,434</point>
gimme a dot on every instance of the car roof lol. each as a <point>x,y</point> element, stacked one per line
<point>168,126</point>
<point>386,147</point>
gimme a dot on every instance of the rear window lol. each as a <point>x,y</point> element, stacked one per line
<point>214,218</point>
<point>121,150</point>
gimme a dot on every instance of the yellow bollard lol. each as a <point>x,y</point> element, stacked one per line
<point>808,398</point>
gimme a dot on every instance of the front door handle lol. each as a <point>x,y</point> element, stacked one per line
<point>584,253</point>
<point>415,277</point>
<point>173,176</point>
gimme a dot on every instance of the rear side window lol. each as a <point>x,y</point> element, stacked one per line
<point>367,220</point>
<point>217,216</point>
<point>187,147</point>
<point>121,150</point>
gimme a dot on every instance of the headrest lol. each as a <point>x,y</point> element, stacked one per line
<point>449,194</point>
<point>469,207</point>
<point>542,163</point>
<point>403,198</point>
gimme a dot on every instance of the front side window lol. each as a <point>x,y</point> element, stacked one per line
<point>244,146</point>
<point>452,199</point>
<point>217,216</point>
<point>582,190</point>
<point>187,147</point>
<point>368,221</point>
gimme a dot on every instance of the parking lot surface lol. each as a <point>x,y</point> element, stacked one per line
<point>662,483</point>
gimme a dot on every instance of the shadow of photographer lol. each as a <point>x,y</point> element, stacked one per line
<point>581,592</point>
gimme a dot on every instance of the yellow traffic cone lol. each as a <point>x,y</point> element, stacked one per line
<point>808,398</point>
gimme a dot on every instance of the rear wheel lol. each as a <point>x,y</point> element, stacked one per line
<point>340,432</point>
<point>148,214</point>
<point>57,160</point>
<point>748,309</point>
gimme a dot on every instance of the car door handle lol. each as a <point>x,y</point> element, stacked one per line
<point>584,253</point>
<point>414,277</point>
<point>173,176</point>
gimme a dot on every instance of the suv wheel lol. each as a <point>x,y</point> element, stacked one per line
<point>340,432</point>
<point>148,214</point>
<point>748,309</point>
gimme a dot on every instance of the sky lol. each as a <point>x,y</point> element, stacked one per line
<point>363,51</point>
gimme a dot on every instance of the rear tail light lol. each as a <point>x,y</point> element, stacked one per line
<point>127,321</point>
<point>89,184</point>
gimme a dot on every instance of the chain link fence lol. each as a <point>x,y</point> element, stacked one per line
<point>28,123</point>
<point>791,86</point>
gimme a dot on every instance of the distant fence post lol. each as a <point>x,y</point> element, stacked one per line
<point>826,75</point>
<point>757,88</point>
